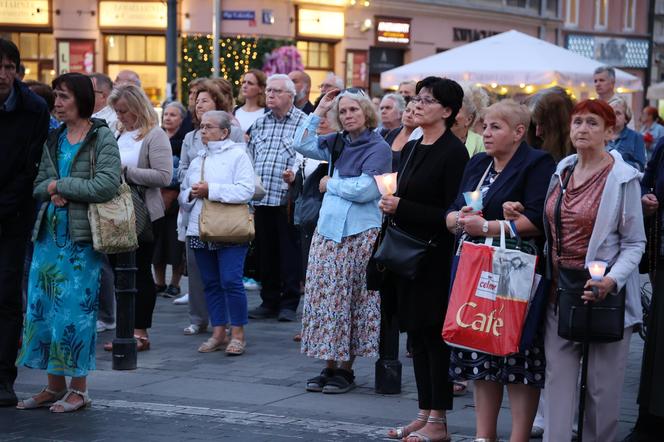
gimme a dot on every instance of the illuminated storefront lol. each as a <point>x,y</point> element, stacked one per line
<point>133,38</point>
<point>28,24</point>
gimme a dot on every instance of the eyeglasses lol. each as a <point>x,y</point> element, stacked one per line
<point>274,91</point>
<point>99,92</point>
<point>326,86</point>
<point>424,100</point>
<point>208,127</point>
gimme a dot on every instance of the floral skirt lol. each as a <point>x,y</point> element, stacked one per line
<point>60,323</point>
<point>341,318</point>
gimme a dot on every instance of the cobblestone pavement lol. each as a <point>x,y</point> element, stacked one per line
<point>179,394</point>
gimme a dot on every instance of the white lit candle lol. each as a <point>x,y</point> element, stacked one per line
<point>597,269</point>
<point>474,199</point>
<point>387,183</point>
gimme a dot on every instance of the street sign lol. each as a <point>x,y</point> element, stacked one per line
<point>238,15</point>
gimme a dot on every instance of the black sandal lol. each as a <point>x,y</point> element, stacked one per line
<point>342,382</point>
<point>317,384</point>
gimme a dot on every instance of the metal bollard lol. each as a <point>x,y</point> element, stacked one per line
<point>124,344</point>
<point>388,366</point>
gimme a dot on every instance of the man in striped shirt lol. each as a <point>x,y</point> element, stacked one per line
<point>271,148</point>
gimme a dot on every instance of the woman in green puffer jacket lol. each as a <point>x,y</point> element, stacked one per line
<point>60,325</point>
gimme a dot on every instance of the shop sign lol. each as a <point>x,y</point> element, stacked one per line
<point>384,59</point>
<point>24,12</point>
<point>238,15</point>
<point>612,51</point>
<point>392,31</point>
<point>76,56</point>
<point>357,69</point>
<point>317,23</point>
<point>143,15</point>
<point>469,35</point>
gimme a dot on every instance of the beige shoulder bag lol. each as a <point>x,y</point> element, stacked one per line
<point>221,222</point>
<point>113,223</point>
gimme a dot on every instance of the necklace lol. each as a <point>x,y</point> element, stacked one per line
<point>84,130</point>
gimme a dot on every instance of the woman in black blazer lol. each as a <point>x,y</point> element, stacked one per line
<point>429,175</point>
<point>514,181</point>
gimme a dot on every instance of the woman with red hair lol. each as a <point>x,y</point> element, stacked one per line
<point>592,212</point>
<point>651,128</point>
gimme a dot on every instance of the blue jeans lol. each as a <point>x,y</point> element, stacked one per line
<point>221,272</point>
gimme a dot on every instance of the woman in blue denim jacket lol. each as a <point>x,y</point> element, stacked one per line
<point>341,318</point>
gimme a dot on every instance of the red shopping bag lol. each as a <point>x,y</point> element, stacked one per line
<point>489,298</point>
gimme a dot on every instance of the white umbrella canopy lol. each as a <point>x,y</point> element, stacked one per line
<point>656,91</point>
<point>509,59</point>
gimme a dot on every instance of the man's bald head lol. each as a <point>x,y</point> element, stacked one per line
<point>127,76</point>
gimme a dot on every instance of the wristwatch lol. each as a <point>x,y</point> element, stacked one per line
<point>485,227</point>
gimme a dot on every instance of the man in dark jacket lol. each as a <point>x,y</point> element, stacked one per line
<point>24,126</point>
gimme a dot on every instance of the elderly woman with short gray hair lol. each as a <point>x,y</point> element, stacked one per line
<point>627,142</point>
<point>341,317</point>
<point>221,172</point>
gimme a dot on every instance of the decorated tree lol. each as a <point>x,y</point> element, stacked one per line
<point>237,55</point>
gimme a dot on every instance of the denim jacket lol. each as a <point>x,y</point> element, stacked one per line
<point>350,204</point>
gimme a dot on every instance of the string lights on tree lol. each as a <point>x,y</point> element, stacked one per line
<point>236,56</point>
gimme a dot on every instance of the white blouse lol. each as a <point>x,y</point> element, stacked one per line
<point>129,148</point>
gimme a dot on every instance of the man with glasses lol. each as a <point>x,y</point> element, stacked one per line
<point>331,82</point>
<point>24,122</point>
<point>271,149</point>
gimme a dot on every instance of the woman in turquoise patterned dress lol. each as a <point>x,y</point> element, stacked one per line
<point>59,334</point>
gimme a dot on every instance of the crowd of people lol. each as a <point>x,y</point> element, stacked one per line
<point>572,177</point>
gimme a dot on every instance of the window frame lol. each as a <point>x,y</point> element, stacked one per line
<point>331,51</point>
<point>598,6</point>
<point>568,8</point>
<point>628,13</point>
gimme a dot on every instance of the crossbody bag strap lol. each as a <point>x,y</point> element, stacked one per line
<point>486,172</point>
<point>405,166</point>
<point>556,213</point>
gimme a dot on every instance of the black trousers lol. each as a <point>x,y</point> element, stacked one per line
<point>13,239</point>
<point>431,362</point>
<point>279,258</point>
<point>146,292</point>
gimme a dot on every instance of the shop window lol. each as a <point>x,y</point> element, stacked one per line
<point>135,48</point>
<point>601,14</point>
<point>37,54</point>
<point>155,48</point>
<point>316,55</point>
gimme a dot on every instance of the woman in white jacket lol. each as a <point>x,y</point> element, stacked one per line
<point>228,178</point>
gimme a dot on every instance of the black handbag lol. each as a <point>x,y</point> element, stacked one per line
<point>399,251</point>
<point>601,321</point>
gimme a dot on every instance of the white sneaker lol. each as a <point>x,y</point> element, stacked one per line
<point>251,284</point>
<point>182,300</point>
<point>194,329</point>
<point>103,326</point>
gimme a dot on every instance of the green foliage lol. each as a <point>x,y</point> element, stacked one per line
<point>237,55</point>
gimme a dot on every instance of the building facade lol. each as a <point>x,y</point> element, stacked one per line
<point>357,39</point>
<point>614,32</point>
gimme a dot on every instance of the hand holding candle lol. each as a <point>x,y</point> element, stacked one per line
<point>598,286</point>
<point>597,269</point>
